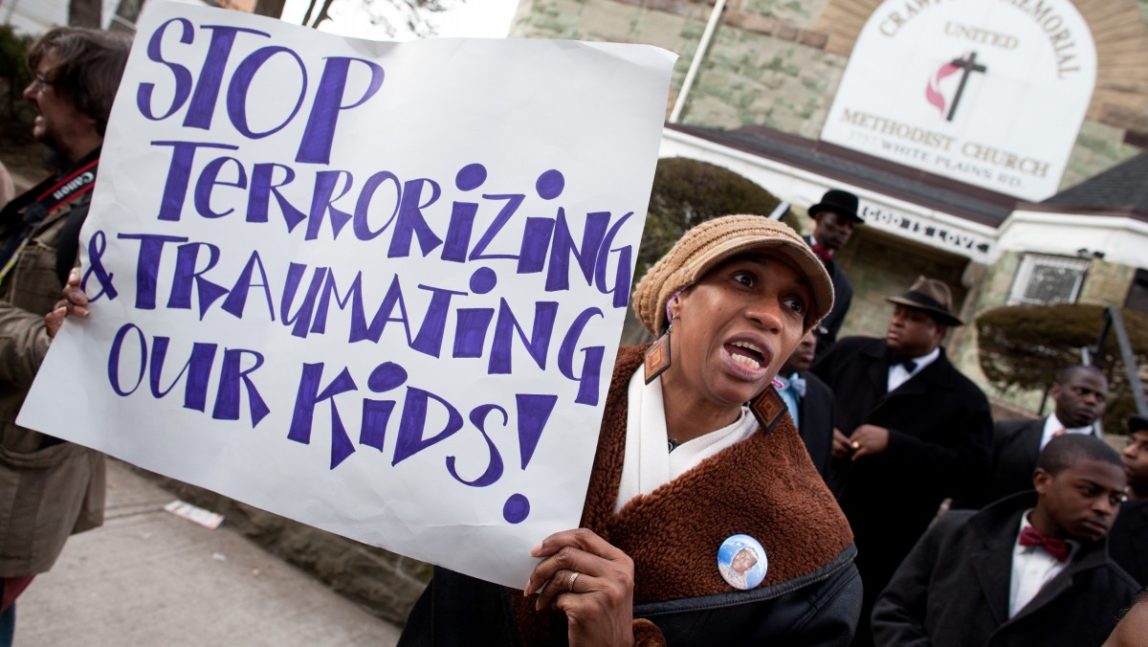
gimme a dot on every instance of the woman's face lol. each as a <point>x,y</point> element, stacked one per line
<point>743,560</point>
<point>734,329</point>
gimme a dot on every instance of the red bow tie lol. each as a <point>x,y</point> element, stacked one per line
<point>824,254</point>
<point>1058,548</point>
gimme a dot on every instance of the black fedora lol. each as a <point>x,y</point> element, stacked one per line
<point>932,296</point>
<point>840,202</point>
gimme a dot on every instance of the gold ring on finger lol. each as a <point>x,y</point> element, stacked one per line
<point>856,444</point>
<point>571,580</point>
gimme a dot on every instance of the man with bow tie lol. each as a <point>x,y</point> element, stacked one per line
<point>913,431</point>
<point>810,403</point>
<point>834,217</point>
<point>1031,569</point>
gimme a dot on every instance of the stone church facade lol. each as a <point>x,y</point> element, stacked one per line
<point>775,96</point>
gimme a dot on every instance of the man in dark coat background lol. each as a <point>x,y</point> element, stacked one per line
<point>810,403</point>
<point>1017,575</point>
<point>1128,542</point>
<point>835,217</point>
<point>1079,393</point>
<point>912,431</point>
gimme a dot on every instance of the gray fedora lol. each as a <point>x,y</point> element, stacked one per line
<point>932,296</point>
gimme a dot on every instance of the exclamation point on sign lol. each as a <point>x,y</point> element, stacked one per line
<point>533,413</point>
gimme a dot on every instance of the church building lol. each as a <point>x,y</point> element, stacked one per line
<point>995,144</point>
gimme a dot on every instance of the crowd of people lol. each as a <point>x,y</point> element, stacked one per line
<point>757,480</point>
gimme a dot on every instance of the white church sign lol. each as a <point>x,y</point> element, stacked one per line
<point>987,92</point>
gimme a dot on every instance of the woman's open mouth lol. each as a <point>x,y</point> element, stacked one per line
<point>749,359</point>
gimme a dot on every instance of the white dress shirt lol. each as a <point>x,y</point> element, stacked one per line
<point>898,374</point>
<point>1032,568</point>
<point>1052,425</point>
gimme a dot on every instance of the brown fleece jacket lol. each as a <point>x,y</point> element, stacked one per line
<point>765,487</point>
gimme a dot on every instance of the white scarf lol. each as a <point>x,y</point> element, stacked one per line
<point>648,462</point>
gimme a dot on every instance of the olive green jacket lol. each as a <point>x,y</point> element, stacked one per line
<point>49,489</point>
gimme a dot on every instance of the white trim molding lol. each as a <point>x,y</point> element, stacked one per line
<point>803,188</point>
<point>1115,238</point>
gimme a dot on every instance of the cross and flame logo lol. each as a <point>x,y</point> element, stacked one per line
<point>966,64</point>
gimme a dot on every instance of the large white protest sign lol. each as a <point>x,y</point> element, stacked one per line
<point>374,287</point>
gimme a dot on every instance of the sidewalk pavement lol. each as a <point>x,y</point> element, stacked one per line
<point>148,577</point>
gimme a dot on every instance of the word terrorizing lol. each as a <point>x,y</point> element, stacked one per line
<point>395,304</point>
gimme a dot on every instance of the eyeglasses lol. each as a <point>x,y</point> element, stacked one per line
<point>40,83</point>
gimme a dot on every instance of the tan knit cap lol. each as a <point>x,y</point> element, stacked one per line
<point>705,246</point>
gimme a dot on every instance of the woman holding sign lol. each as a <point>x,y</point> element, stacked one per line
<point>705,521</point>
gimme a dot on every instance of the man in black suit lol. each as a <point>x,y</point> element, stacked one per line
<point>912,431</point>
<point>835,217</point>
<point>1128,543</point>
<point>810,403</point>
<point>1027,570</point>
<point>1079,393</point>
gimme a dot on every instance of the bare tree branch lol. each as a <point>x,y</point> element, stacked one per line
<point>324,14</point>
<point>307,16</point>
<point>389,15</point>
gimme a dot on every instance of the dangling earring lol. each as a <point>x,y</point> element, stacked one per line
<point>768,408</point>
<point>657,358</point>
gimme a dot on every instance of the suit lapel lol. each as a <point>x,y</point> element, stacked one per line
<point>1035,433</point>
<point>932,378</point>
<point>878,372</point>
<point>1096,557</point>
<point>993,566</point>
<point>1047,593</point>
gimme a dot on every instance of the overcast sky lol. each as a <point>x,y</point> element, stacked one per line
<point>475,18</point>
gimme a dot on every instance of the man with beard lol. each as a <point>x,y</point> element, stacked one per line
<point>913,431</point>
<point>1128,543</point>
<point>1079,393</point>
<point>810,403</point>
<point>1030,569</point>
<point>51,488</point>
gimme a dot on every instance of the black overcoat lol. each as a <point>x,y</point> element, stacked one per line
<point>940,438</point>
<point>816,422</point>
<point>842,299</point>
<point>1128,541</point>
<point>1016,446</point>
<point>953,589</point>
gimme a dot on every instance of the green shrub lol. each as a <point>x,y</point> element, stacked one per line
<point>16,114</point>
<point>1022,347</point>
<point>687,192</point>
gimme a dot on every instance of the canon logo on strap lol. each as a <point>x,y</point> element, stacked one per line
<point>73,185</point>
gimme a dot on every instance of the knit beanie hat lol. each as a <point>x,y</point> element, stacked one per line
<point>708,244</point>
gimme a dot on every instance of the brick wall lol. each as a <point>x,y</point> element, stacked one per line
<point>1106,283</point>
<point>880,265</point>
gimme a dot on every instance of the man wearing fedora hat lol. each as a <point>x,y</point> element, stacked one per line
<point>911,431</point>
<point>1128,541</point>
<point>835,217</point>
